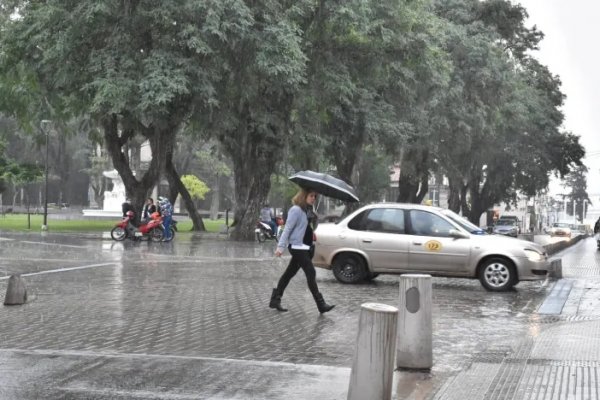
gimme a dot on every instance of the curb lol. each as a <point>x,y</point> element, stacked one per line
<point>554,248</point>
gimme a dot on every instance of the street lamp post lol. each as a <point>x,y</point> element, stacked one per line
<point>45,125</point>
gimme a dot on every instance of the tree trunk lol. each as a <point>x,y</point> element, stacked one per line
<point>175,183</point>
<point>423,189</point>
<point>136,191</point>
<point>477,207</point>
<point>215,198</point>
<point>454,194</point>
<point>407,188</point>
<point>254,150</point>
<point>413,183</point>
<point>252,176</point>
<point>347,155</point>
<point>465,209</point>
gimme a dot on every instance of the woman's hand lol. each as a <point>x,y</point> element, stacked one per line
<point>278,252</point>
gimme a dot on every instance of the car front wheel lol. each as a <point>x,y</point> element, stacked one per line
<point>349,268</point>
<point>497,274</point>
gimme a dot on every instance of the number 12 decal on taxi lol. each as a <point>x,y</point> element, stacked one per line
<point>433,245</point>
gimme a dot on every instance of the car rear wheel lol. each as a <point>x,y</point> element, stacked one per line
<point>498,274</point>
<point>349,268</point>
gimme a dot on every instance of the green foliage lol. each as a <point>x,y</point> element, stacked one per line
<point>18,222</point>
<point>501,114</point>
<point>282,191</point>
<point>212,162</point>
<point>195,186</point>
<point>373,174</point>
<point>577,182</point>
<point>19,174</point>
<point>16,173</point>
<point>451,83</point>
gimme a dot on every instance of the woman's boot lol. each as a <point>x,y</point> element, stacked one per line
<point>276,301</point>
<point>321,305</point>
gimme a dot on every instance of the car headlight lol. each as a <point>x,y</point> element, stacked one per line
<point>534,255</point>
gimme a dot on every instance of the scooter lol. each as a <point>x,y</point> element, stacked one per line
<point>173,227</point>
<point>151,230</point>
<point>263,230</point>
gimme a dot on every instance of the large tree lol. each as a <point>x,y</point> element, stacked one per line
<point>366,59</point>
<point>251,114</point>
<point>576,180</point>
<point>138,68</point>
<point>502,112</point>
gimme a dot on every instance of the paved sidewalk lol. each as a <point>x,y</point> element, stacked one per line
<point>560,356</point>
<point>189,320</point>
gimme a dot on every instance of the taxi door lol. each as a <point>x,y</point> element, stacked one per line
<point>432,249</point>
<point>382,237</point>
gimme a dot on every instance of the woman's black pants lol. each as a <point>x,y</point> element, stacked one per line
<point>300,259</point>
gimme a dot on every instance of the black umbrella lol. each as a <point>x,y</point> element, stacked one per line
<point>325,184</point>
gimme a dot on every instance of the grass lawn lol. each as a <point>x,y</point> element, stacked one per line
<point>18,222</point>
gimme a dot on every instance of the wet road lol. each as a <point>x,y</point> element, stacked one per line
<point>189,319</point>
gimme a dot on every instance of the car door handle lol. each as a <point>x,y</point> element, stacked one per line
<point>417,243</point>
<point>367,240</point>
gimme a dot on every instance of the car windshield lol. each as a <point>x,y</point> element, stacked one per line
<point>560,225</point>
<point>467,225</point>
<point>506,222</point>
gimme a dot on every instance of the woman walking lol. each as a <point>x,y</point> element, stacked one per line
<point>298,232</point>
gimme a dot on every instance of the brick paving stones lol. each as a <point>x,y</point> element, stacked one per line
<point>189,319</point>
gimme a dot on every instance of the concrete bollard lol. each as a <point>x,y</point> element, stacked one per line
<point>415,338</point>
<point>16,293</point>
<point>373,364</point>
<point>555,270</point>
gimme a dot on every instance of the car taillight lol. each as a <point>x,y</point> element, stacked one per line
<point>314,237</point>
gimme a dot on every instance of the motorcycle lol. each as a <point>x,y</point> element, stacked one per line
<point>263,230</point>
<point>151,230</point>
<point>173,228</point>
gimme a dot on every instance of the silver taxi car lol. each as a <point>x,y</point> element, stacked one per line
<point>399,238</point>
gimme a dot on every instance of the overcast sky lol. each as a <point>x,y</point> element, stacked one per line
<point>570,49</point>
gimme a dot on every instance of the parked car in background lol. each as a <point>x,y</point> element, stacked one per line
<point>560,229</point>
<point>400,238</point>
<point>507,227</point>
<point>511,218</point>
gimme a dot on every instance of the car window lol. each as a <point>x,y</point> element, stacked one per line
<point>424,223</point>
<point>465,224</point>
<point>357,223</point>
<point>388,220</point>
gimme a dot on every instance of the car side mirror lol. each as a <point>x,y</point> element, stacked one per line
<point>455,233</point>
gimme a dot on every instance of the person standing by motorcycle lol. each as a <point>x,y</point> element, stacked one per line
<point>266,216</point>
<point>126,206</point>
<point>300,224</point>
<point>149,209</point>
<point>129,212</point>
<point>166,210</point>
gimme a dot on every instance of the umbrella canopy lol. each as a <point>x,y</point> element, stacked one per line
<point>325,184</point>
